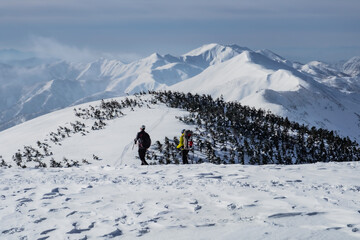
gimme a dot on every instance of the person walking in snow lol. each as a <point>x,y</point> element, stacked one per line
<point>143,140</point>
<point>185,144</point>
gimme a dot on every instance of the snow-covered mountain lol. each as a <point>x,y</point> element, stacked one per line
<point>115,197</point>
<point>320,70</point>
<point>314,93</point>
<point>257,80</point>
<point>352,67</point>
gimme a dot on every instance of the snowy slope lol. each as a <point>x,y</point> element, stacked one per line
<point>275,57</point>
<point>115,197</point>
<point>212,54</point>
<point>240,77</point>
<point>352,67</point>
<point>321,70</point>
<point>111,144</point>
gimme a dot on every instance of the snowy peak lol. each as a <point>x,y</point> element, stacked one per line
<point>238,48</point>
<point>321,70</point>
<point>275,57</point>
<point>327,69</point>
<point>211,54</point>
<point>204,49</point>
<point>100,68</point>
<point>352,67</point>
<point>246,74</point>
<point>63,70</point>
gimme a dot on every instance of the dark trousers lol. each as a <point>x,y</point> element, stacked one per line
<point>185,154</point>
<point>142,153</point>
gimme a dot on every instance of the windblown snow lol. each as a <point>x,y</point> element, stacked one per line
<point>117,198</point>
<point>182,202</point>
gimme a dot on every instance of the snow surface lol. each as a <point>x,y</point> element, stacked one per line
<point>118,198</point>
<point>182,202</point>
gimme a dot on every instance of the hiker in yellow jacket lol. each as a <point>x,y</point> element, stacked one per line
<point>181,146</point>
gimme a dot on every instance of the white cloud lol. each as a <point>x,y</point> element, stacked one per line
<point>51,48</point>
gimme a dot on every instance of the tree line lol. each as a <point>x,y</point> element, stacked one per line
<point>228,132</point>
<point>224,133</point>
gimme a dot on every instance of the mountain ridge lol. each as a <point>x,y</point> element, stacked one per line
<point>263,77</point>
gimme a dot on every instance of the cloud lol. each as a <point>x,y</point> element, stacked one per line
<point>51,48</point>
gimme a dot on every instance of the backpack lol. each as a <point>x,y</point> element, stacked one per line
<point>144,140</point>
<point>188,142</point>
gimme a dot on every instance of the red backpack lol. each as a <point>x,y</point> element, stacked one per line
<point>188,142</point>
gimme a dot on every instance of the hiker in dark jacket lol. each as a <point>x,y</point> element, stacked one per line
<point>143,140</point>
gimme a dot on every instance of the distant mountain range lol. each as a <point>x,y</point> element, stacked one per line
<point>315,93</point>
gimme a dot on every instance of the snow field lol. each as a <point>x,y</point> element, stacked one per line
<point>182,202</point>
<point>113,145</point>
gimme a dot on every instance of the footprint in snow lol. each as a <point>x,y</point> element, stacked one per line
<point>24,200</point>
<point>294,181</point>
<point>354,229</point>
<point>293,214</point>
<point>206,225</point>
<point>43,238</point>
<point>197,208</point>
<point>233,175</point>
<point>209,175</point>
<point>282,215</point>
<point>121,219</point>
<point>250,205</point>
<point>231,206</point>
<point>97,201</point>
<point>76,230</point>
<point>275,168</point>
<point>28,189</point>
<point>179,226</point>
<point>53,194</point>
<point>202,175</point>
<point>47,231</point>
<point>143,231</point>
<point>193,201</point>
<point>333,228</point>
<point>13,230</point>
<point>162,213</point>
<point>40,220</point>
<point>113,234</point>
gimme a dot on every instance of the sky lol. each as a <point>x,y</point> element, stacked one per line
<point>326,30</point>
